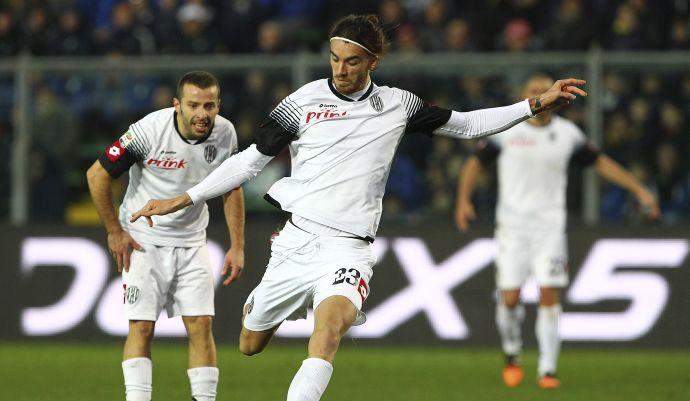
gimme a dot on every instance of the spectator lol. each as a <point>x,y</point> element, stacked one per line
<point>457,36</point>
<point>517,37</point>
<point>9,33</point>
<point>72,39</point>
<point>197,37</point>
<point>569,29</point>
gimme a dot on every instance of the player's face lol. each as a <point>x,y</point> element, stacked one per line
<point>196,110</point>
<point>351,65</point>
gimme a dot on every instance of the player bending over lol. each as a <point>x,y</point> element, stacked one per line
<point>166,152</point>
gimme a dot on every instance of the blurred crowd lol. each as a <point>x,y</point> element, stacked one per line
<point>140,27</point>
<point>76,116</point>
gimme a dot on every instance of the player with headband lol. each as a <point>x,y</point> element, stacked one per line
<point>342,133</point>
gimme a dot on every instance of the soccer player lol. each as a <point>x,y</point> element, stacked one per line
<point>342,133</point>
<point>533,159</point>
<point>166,152</point>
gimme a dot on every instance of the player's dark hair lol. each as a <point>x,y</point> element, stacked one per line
<point>363,29</point>
<point>200,79</point>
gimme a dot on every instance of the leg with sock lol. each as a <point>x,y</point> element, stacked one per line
<point>546,328</point>
<point>203,373</point>
<point>332,318</point>
<point>136,366</point>
<point>510,314</point>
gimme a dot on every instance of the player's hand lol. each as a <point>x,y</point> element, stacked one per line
<point>120,245</point>
<point>562,92</point>
<point>233,265</point>
<point>464,212</point>
<point>649,204</point>
<point>160,207</point>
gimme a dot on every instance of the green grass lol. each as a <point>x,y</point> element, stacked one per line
<point>74,372</point>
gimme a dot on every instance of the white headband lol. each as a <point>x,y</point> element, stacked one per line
<point>354,43</point>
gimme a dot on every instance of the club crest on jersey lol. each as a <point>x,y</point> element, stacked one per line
<point>376,103</point>
<point>132,294</point>
<point>210,153</point>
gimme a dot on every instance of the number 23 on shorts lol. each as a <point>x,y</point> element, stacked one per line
<point>353,277</point>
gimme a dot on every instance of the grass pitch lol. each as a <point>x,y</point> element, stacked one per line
<point>75,372</point>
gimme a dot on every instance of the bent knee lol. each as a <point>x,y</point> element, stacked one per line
<point>251,347</point>
<point>252,344</point>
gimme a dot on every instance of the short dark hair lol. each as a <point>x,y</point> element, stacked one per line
<point>200,79</point>
<point>363,29</point>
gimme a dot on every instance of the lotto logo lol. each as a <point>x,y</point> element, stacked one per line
<point>114,152</point>
<point>363,289</point>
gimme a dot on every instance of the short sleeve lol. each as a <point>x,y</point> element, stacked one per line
<point>131,147</point>
<point>422,117</point>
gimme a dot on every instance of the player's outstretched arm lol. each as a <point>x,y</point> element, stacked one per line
<point>561,93</point>
<point>464,209</point>
<point>484,122</point>
<point>615,173</point>
<point>232,173</point>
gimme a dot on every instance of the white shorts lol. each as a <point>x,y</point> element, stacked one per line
<point>181,279</point>
<point>304,269</point>
<point>522,252</point>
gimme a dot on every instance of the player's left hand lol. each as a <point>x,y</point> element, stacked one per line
<point>160,207</point>
<point>562,92</point>
<point>233,265</point>
<point>649,204</point>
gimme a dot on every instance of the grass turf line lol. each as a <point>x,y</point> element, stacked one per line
<point>74,372</point>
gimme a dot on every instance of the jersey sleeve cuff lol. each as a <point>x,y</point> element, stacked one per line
<point>528,109</point>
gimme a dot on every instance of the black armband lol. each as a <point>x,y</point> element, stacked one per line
<point>272,137</point>
<point>427,119</point>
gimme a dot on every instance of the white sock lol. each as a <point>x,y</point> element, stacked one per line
<point>310,381</point>
<point>204,382</point>
<point>548,337</point>
<point>137,373</point>
<point>509,322</point>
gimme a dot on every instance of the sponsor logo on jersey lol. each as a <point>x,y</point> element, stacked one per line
<point>522,142</point>
<point>114,152</point>
<point>131,294</point>
<point>210,153</point>
<point>167,163</point>
<point>126,139</point>
<point>363,289</point>
<point>376,103</point>
<point>324,114</point>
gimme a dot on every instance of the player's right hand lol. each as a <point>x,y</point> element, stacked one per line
<point>120,245</point>
<point>464,212</point>
<point>160,207</point>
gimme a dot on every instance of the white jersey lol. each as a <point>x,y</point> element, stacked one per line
<point>533,172</point>
<point>342,149</point>
<point>342,154</point>
<point>162,164</point>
